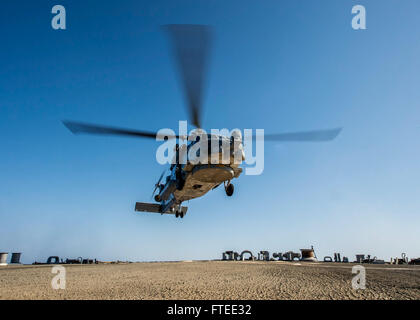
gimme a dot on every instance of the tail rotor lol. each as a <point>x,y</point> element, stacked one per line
<point>158,183</point>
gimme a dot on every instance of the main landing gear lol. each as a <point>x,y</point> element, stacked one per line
<point>229,189</point>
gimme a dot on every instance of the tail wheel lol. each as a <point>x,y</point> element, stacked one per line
<point>179,214</point>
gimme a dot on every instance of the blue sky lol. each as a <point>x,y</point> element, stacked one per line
<point>276,65</point>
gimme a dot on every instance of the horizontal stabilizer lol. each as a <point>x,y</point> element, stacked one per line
<point>155,207</point>
<point>148,207</point>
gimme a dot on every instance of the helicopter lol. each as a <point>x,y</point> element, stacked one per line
<point>188,176</point>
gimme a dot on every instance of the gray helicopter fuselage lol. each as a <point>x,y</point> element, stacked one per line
<point>193,175</point>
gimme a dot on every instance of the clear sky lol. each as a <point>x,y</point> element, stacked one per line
<point>276,65</point>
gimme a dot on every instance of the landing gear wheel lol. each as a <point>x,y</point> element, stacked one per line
<point>179,214</point>
<point>229,190</point>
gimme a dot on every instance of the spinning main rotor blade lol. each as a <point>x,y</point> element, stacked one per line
<point>191,47</point>
<point>304,136</point>
<point>78,128</point>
